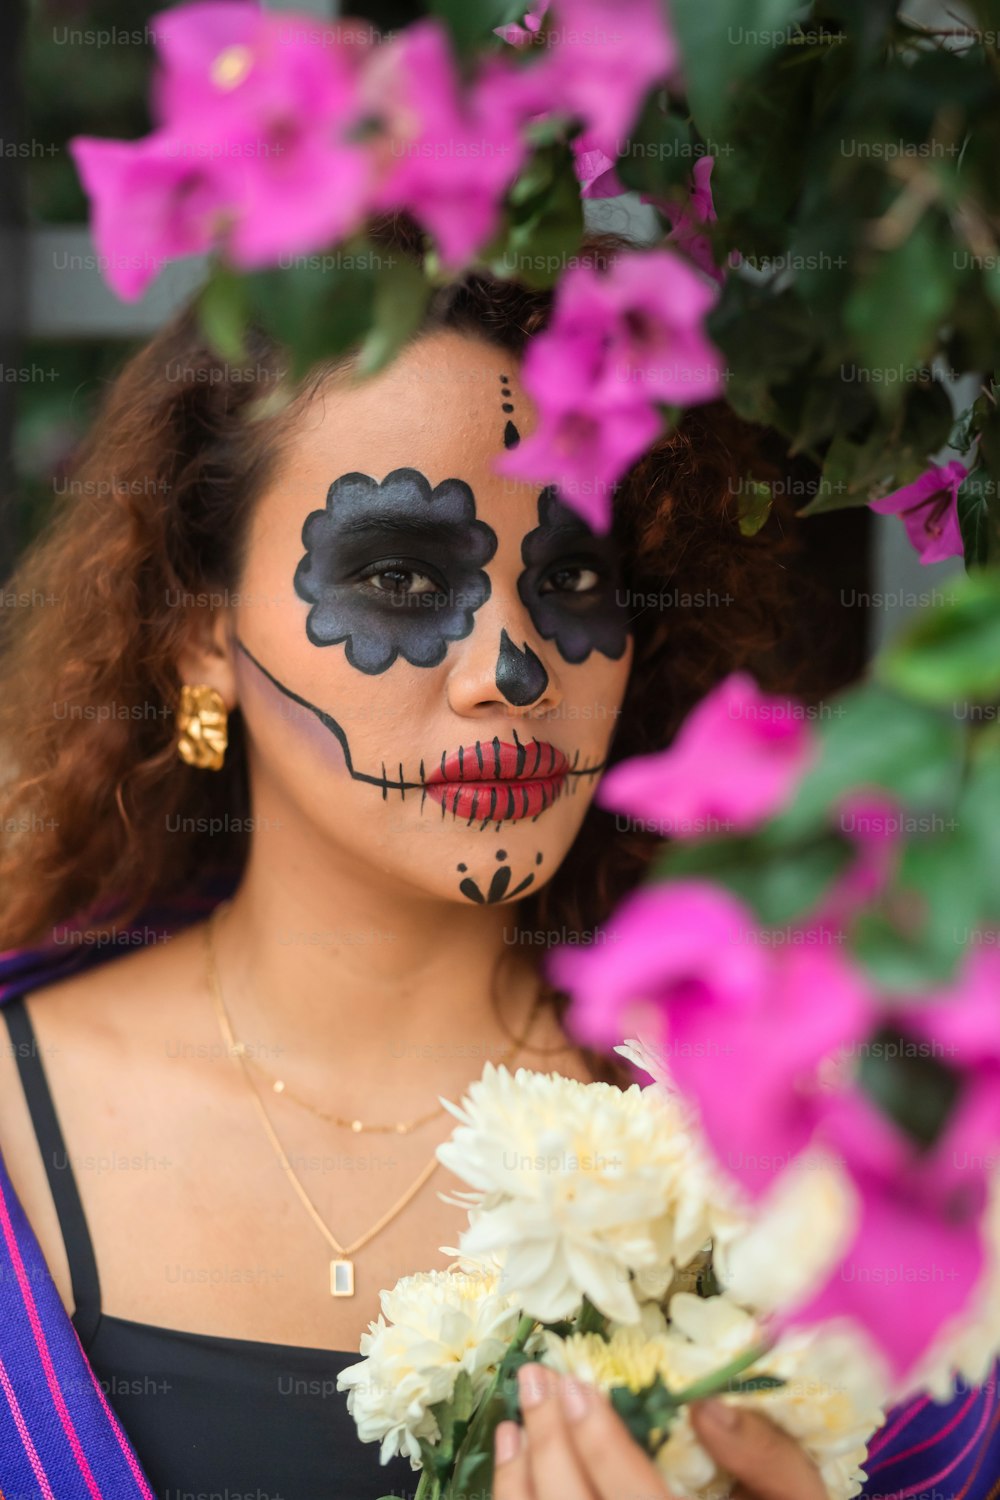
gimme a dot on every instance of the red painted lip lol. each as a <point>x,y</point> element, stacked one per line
<point>497,760</point>
<point>494,781</point>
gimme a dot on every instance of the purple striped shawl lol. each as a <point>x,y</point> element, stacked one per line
<point>60,1439</point>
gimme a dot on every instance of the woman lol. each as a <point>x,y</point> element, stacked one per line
<point>317,658</point>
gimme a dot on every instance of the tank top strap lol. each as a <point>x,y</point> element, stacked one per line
<point>62,1183</point>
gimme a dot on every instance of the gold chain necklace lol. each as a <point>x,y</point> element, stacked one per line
<point>342,1267</point>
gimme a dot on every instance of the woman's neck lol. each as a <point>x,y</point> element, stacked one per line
<point>339,977</point>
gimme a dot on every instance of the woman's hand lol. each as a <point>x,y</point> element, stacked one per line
<point>573,1446</point>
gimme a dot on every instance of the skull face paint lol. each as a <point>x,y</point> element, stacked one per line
<point>520,675</point>
<point>403,713</point>
<point>378,624</point>
<point>584,615</point>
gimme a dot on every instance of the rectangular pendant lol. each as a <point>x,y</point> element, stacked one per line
<point>342,1278</point>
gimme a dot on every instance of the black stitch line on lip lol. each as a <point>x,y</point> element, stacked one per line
<point>496,757</point>
<point>522,754</point>
<point>586,770</point>
<point>461,760</point>
<point>479,754</point>
<point>510,803</point>
<point>402,788</point>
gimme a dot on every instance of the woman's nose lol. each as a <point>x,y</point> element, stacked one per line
<point>503,664</point>
<point>520,675</point>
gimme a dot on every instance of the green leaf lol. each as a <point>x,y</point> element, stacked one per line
<point>591,1320</point>
<point>757,1383</point>
<point>915,1090</point>
<point>722,43</point>
<point>898,962</point>
<point>942,884</point>
<point>472,25</point>
<point>660,153</point>
<point>850,470</point>
<point>974,519</point>
<point>755,505</point>
<point>223,313</point>
<point>545,226</point>
<point>895,312</point>
<point>401,296</point>
<point>952,653</point>
<point>647,1413</point>
<point>978,814</point>
<point>321,307</point>
<point>871,738</point>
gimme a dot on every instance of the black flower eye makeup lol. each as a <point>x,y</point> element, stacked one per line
<point>404,580</point>
<point>367,589</point>
<point>578,578</point>
<point>570,584</point>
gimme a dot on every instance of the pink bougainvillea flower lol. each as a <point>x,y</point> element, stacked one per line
<point>929,509</point>
<point>663,944</point>
<point>917,1250</point>
<point>525,34</point>
<point>872,820</point>
<point>687,220</point>
<point>918,1247</point>
<point>449,152</point>
<point>589,454</point>
<point>602,58</point>
<point>737,758</point>
<point>962,1018</point>
<point>252,152</point>
<point>595,169</point>
<point>148,205</point>
<point>620,343</point>
<point>743,1024</point>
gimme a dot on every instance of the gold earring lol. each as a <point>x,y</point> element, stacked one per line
<point>201,726</point>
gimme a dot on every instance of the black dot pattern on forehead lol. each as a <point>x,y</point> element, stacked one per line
<point>511,436</point>
<point>501,854</point>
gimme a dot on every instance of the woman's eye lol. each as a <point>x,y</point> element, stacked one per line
<point>400,582</point>
<point>571,580</point>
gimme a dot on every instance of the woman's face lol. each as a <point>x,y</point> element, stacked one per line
<point>430,658</point>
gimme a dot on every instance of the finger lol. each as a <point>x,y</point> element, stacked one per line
<point>511,1479</point>
<point>616,1466</point>
<point>770,1464</point>
<point>556,1473</point>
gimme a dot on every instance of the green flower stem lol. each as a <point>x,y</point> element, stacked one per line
<point>429,1488</point>
<point>472,1437</point>
<point>719,1379</point>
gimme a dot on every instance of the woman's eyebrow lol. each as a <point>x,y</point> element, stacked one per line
<point>402,522</point>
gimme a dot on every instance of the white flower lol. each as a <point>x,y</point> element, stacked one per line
<point>829,1403</point>
<point>808,1217</point>
<point>432,1325</point>
<point>578,1187</point>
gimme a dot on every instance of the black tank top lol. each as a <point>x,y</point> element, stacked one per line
<point>204,1414</point>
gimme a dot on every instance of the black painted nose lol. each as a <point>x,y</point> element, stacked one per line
<point>520,676</point>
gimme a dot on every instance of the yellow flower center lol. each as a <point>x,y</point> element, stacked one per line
<point>232,66</point>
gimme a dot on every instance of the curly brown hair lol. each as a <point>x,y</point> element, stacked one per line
<point>157,509</point>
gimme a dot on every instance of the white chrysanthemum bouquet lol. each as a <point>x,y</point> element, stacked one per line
<point>598,1225</point>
